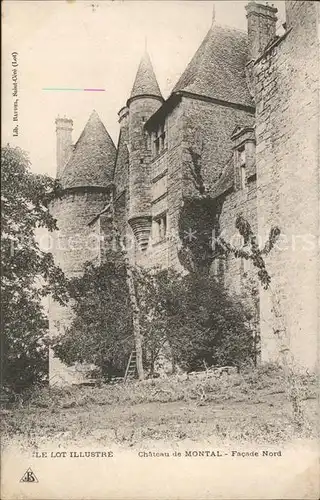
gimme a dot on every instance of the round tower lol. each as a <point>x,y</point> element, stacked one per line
<point>85,172</point>
<point>144,101</point>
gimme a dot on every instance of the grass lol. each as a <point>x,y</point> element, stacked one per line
<point>250,406</point>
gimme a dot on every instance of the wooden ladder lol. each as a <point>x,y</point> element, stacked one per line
<point>131,370</point>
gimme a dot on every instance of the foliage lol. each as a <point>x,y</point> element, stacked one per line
<point>190,318</point>
<point>206,326</point>
<point>197,220</point>
<point>28,273</point>
<point>101,330</point>
<point>156,290</point>
<point>196,317</point>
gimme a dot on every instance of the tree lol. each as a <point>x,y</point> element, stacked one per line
<point>28,273</point>
<point>201,323</point>
<point>190,315</point>
<point>101,332</point>
<point>135,310</point>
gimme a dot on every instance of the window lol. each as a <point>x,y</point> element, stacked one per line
<point>242,167</point>
<point>160,227</point>
<point>160,142</point>
<point>157,146</point>
<point>162,137</point>
<point>159,188</point>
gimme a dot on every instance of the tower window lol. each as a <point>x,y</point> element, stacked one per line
<point>157,146</point>
<point>242,167</point>
<point>160,227</point>
<point>162,137</point>
<point>160,142</point>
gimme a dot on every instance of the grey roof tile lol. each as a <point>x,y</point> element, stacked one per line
<point>145,82</point>
<point>217,69</point>
<point>92,161</point>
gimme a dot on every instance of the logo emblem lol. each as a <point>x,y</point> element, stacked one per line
<point>29,477</point>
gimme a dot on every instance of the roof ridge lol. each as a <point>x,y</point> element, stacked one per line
<point>233,28</point>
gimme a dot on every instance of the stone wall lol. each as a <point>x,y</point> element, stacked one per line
<point>200,131</point>
<point>158,250</point>
<point>75,241</point>
<point>166,192</point>
<point>140,109</point>
<point>175,181</point>
<point>207,129</point>
<point>121,173</point>
<point>72,245</point>
<point>287,132</point>
<point>237,274</point>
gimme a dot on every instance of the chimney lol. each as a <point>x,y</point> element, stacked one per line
<point>261,27</point>
<point>64,142</point>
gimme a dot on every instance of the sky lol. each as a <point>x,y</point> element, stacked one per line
<point>97,44</point>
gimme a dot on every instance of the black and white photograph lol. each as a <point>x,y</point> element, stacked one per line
<point>160,288</point>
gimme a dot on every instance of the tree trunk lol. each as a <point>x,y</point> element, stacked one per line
<point>132,296</point>
<point>135,315</point>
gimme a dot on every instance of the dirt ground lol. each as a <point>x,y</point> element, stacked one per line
<point>264,419</point>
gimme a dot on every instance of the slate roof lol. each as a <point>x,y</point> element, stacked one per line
<point>92,161</point>
<point>145,81</point>
<point>217,69</point>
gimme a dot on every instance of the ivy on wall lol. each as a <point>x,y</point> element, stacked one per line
<point>254,252</point>
<point>197,221</point>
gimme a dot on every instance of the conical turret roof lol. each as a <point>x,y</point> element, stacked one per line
<point>145,82</point>
<point>217,69</point>
<point>93,158</point>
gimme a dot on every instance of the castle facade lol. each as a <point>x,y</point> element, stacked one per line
<point>240,126</point>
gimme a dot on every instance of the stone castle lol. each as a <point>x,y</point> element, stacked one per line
<point>242,125</point>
